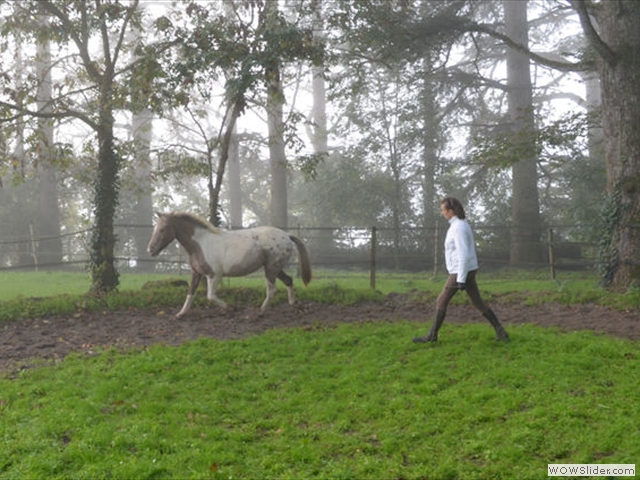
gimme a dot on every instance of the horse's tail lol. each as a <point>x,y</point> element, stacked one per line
<point>303,258</point>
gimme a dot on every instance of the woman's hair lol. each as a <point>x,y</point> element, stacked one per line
<point>451,203</point>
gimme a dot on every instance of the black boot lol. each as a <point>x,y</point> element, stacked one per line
<point>432,336</point>
<point>501,333</point>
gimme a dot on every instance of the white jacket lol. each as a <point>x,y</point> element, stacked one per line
<point>460,249</point>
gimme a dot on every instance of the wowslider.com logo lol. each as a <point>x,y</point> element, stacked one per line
<point>591,470</point>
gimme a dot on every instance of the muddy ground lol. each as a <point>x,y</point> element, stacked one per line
<point>23,341</point>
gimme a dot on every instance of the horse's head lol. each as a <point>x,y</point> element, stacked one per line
<point>163,234</point>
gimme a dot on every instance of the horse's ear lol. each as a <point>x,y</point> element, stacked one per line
<point>160,214</point>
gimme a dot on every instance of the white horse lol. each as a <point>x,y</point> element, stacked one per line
<point>216,253</point>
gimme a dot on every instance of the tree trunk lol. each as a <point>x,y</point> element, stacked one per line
<point>234,173</point>
<point>225,141</point>
<point>277,158</point>
<point>103,269</point>
<point>525,231</point>
<point>49,247</point>
<point>21,206</point>
<point>142,130</point>
<point>319,135</point>
<point>619,24</point>
<point>234,182</point>
<point>429,150</point>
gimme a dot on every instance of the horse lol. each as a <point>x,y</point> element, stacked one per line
<point>215,253</point>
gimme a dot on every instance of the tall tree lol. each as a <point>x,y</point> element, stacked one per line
<point>142,133</point>
<point>275,123</point>
<point>614,37</point>
<point>20,198</point>
<point>235,171</point>
<point>319,133</point>
<point>249,50</point>
<point>235,182</point>
<point>104,24</point>
<point>429,143</point>
<point>48,219</point>
<point>525,214</point>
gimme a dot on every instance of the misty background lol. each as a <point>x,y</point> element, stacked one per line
<point>332,119</point>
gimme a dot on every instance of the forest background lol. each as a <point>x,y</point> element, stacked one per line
<point>322,115</point>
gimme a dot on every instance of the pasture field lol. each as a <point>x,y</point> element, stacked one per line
<point>20,285</point>
<point>355,401</point>
<point>531,287</point>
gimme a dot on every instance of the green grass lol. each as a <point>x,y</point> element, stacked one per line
<point>31,294</point>
<point>19,285</point>
<point>356,401</point>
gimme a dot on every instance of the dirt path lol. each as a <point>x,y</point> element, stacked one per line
<point>53,338</point>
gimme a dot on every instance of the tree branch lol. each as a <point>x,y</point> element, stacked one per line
<point>21,112</point>
<point>544,60</point>
<point>607,54</point>
<point>438,27</point>
<point>130,12</point>
<point>81,43</point>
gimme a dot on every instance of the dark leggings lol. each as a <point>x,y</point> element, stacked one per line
<point>451,288</point>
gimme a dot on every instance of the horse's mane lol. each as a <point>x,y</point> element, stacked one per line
<point>196,220</point>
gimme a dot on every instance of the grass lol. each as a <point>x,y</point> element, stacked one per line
<point>356,401</point>
<point>33,294</point>
<point>20,285</point>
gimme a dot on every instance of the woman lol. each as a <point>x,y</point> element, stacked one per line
<point>462,264</point>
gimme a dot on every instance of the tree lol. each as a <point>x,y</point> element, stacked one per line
<point>91,95</point>
<point>614,38</point>
<point>102,70</point>
<point>275,102</point>
<point>142,134</point>
<point>525,213</point>
<point>248,48</point>
<point>319,136</point>
<point>48,218</point>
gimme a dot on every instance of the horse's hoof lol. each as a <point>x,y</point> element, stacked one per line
<point>229,309</point>
<point>425,339</point>
<point>299,308</point>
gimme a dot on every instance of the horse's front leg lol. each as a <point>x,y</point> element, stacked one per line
<point>193,288</point>
<point>212,288</point>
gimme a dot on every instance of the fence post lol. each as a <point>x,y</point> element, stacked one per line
<point>552,267</point>
<point>299,234</point>
<point>372,273</point>
<point>34,253</point>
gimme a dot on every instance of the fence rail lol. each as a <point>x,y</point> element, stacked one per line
<point>370,249</point>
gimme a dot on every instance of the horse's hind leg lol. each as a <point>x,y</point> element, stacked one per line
<point>288,281</point>
<point>271,291</point>
<point>212,288</point>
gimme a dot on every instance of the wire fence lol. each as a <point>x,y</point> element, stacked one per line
<point>372,249</point>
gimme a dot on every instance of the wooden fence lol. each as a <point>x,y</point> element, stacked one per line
<point>370,249</point>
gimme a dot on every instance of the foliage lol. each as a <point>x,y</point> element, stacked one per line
<point>89,89</point>
<point>355,401</point>
<point>397,52</point>
<point>235,44</point>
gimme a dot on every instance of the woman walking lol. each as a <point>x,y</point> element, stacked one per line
<point>462,264</point>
